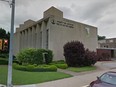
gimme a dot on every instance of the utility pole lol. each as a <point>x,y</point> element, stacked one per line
<point>9,78</point>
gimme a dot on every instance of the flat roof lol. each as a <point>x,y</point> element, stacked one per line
<point>107,48</point>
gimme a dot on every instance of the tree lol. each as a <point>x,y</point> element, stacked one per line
<point>76,55</point>
<point>101,37</point>
<point>2,33</point>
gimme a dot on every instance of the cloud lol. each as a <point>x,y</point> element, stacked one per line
<point>100,13</point>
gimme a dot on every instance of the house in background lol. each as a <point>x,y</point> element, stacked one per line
<point>107,46</point>
<point>52,32</point>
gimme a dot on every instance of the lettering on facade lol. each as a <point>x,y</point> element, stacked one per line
<point>62,23</point>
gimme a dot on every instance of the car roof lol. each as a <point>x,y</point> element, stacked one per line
<point>111,73</point>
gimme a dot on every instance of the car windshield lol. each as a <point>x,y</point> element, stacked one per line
<point>108,78</point>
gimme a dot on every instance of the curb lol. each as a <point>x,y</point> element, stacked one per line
<point>33,85</point>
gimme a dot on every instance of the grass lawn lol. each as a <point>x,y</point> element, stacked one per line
<point>23,77</point>
<point>81,69</point>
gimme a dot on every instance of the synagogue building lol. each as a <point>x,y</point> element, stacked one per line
<point>52,32</point>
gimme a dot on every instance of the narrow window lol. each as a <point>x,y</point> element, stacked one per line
<point>41,39</point>
<point>47,37</point>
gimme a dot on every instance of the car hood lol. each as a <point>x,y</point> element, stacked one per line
<point>103,85</point>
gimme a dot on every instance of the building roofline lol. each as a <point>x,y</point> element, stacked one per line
<point>107,48</point>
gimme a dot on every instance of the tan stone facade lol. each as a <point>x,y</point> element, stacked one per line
<point>52,32</point>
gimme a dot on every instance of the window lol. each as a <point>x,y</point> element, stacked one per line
<point>87,30</point>
<point>41,39</point>
<point>110,41</point>
<point>47,37</point>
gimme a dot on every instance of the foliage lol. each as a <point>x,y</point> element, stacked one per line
<point>34,56</point>
<point>4,55</point>
<point>104,57</point>
<point>101,37</point>
<point>59,62</point>
<point>47,54</point>
<point>61,66</point>
<point>74,53</point>
<point>33,68</point>
<point>29,56</point>
<point>90,58</point>
<point>3,61</point>
<point>2,33</point>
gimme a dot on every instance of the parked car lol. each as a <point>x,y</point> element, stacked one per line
<point>107,79</point>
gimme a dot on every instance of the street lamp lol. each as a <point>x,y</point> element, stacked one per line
<point>9,80</point>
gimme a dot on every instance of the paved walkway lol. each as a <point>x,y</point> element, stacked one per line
<point>101,66</point>
<point>78,79</point>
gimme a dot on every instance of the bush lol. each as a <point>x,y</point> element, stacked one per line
<point>34,56</point>
<point>61,66</point>
<point>104,57</point>
<point>74,53</point>
<point>4,55</point>
<point>3,61</point>
<point>33,68</point>
<point>90,58</point>
<point>59,62</point>
<point>48,55</point>
<point>19,67</point>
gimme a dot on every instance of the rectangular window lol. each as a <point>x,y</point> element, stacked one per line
<point>47,37</point>
<point>41,39</point>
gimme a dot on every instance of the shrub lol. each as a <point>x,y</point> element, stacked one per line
<point>33,68</point>
<point>46,68</point>
<point>4,55</point>
<point>48,55</point>
<point>34,56</point>
<point>19,67</point>
<point>104,57</point>
<point>59,62</point>
<point>29,56</point>
<point>3,61</point>
<point>61,66</point>
<point>74,53</point>
<point>90,58</point>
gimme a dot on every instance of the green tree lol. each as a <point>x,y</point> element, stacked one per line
<point>101,37</point>
<point>2,33</point>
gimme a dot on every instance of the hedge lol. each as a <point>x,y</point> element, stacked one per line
<point>4,55</point>
<point>3,61</point>
<point>34,68</point>
<point>61,66</point>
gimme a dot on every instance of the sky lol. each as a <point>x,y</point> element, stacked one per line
<point>98,13</point>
